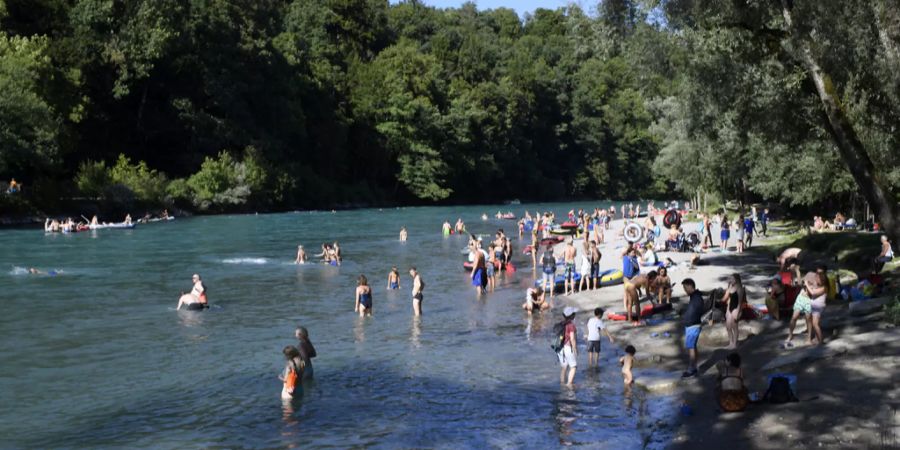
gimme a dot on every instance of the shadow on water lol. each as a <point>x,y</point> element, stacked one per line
<point>387,409</point>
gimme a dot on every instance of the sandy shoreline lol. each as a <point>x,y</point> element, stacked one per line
<point>848,388</point>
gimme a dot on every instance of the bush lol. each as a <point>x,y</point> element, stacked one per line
<point>92,178</point>
<point>147,184</point>
<point>122,183</point>
<point>225,181</point>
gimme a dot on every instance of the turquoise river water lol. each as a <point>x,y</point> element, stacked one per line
<point>97,356</point>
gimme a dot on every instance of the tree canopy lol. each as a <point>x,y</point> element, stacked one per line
<point>273,104</point>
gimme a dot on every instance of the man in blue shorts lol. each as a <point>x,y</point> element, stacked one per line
<point>692,325</point>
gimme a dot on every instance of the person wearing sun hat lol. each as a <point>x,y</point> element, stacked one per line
<point>568,355</point>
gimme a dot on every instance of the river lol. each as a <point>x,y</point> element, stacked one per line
<point>96,356</point>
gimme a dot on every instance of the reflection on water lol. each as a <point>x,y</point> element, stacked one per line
<point>132,372</point>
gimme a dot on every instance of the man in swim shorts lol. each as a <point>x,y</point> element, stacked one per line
<point>569,256</point>
<point>418,287</point>
<point>692,325</point>
<point>479,276</point>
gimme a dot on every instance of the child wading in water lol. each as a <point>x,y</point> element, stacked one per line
<point>627,361</point>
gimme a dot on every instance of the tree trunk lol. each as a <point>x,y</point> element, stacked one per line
<point>851,149</point>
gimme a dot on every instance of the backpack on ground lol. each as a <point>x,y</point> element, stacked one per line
<point>779,391</point>
<point>558,337</point>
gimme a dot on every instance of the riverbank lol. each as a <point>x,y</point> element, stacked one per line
<point>847,388</point>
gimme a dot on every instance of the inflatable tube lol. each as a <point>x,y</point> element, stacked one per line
<point>569,225</point>
<point>672,218</point>
<point>611,277</point>
<point>562,231</point>
<point>508,217</point>
<point>552,240</point>
<point>527,250</point>
<point>113,226</point>
<point>195,307</point>
<point>633,232</point>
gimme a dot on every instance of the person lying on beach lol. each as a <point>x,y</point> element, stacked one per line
<point>627,362</point>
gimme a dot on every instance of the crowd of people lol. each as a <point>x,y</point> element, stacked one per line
<point>573,247</point>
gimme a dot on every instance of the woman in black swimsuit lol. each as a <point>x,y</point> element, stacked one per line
<point>734,298</point>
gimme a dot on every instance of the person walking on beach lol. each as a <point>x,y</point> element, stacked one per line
<point>725,232</point>
<point>707,232</point>
<point>595,326</point>
<point>691,319</point>
<point>363,297</point>
<point>417,288</point>
<point>307,351</point>
<point>568,354</point>
<point>764,222</point>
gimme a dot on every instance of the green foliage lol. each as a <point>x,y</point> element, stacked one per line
<point>224,181</point>
<point>146,184</point>
<point>348,102</point>
<point>92,178</point>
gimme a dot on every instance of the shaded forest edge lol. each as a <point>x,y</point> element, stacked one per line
<point>246,105</point>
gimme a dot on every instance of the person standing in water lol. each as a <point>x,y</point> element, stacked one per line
<point>418,287</point>
<point>307,351</point>
<point>393,279</point>
<point>291,374</point>
<point>403,234</point>
<point>363,297</point>
<point>446,229</point>
<point>479,277</point>
<point>301,255</point>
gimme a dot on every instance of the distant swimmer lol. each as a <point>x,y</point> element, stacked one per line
<point>363,297</point>
<point>127,220</point>
<point>446,229</point>
<point>196,299</point>
<point>403,234</point>
<point>393,281</point>
<point>33,271</point>
<point>418,287</point>
<point>301,255</point>
<point>484,217</point>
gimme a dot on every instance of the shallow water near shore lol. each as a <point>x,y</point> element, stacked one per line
<point>96,355</point>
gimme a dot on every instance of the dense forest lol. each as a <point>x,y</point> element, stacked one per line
<point>216,105</point>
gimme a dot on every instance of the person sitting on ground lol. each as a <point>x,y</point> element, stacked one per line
<point>627,362</point>
<point>13,187</point>
<point>662,286</point>
<point>535,301</point>
<point>885,256</point>
<point>674,238</point>
<point>731,393</point>
<point>306,349</point>
<point>839,221</point>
